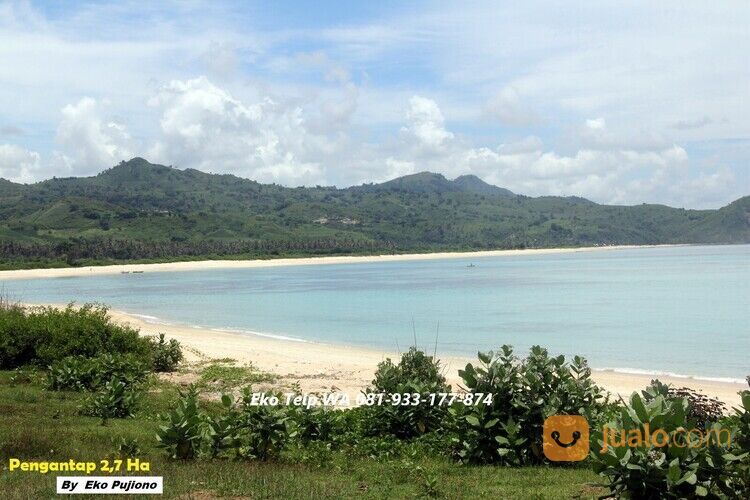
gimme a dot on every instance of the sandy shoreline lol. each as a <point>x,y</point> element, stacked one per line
<point>244,264</point>
<point>319,367</point>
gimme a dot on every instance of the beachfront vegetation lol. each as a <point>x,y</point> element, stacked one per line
<point>140,212</point>
<point>525,392</point>
<point>73,338</point>
<point>43,335</point>
<point>224,376</point>
<point>702,459</point>
<point>165,355</point>
<point>81,373</point>
<point>87,405</point>
<point>415,373</point>
<point>115,399</point>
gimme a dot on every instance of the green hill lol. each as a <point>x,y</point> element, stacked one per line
<point>473,184</point>
<point>141,211</point>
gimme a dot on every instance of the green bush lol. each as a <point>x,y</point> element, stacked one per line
<point>115,399</point>
<point>675,465</point>
<point>414,365</point>
<point>165,355</point>
<point>704,410</point>
<point>17,341</point>
<point>320,424</point>
<point>182,435</point>
<point>740,422</point>
<point>262,431</point>
<point>336,428</point>
<point>78,373</point>
<point>220,428</point>
<point>416,373</point>
<point>127,448</point>
<point>47,336</point>
<point>524,393</point>
<point>237,430</point>
<point>43,335</point>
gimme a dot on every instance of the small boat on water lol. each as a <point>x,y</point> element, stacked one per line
<point>471,265</point>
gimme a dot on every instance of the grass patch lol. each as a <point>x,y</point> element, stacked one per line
<point>36,424</point>
<point>224,376</point>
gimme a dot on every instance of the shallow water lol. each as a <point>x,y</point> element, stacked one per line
<point>683,310</point>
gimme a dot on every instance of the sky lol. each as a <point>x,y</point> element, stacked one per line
<point>618,102</point>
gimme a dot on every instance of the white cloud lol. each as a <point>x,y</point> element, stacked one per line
<point>599,175</point>
<point>425,123</point>
<point>596,123</point>
<point>90,140</point>
<point>396,168</point>
<point>18,164</point>
<point>205,127</point>
<point>617,173</point>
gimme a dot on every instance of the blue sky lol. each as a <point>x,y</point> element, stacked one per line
<point>620,103</point>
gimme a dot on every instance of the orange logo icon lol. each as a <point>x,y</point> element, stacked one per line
<point>566,438</point>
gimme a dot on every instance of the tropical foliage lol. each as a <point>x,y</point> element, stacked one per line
<point>78,339</point>
<point>505,429</point>
<point>525,392</point>
<point>43,335</point>
<point>417,375</point>
<point>79,373</point>
<point>678,464</point>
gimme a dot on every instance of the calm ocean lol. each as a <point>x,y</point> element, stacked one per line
<point>683,310</point>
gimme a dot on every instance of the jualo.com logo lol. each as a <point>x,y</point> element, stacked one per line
<point>566,438</point>
<point>646,437</point>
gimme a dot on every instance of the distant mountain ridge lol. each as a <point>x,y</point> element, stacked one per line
<point>428,182</point>
<point>139,210</point>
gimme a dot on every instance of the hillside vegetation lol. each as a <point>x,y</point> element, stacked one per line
<point>139,211</point>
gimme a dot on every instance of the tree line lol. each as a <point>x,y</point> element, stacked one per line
<point>75,249</point>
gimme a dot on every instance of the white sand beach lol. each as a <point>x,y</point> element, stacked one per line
<point>319,367</point>
<point>203,265</point>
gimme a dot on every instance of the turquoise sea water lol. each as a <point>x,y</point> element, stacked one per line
<point>683,310</point>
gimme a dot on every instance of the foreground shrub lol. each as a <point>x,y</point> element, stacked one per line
<point>126,447</point>
<point>321,424</point>
<point>416,373</point>
<point>238,430</point>
<point>702,409</point>
<point>115,399</point>
<point>43,335</point>
<point>165,355</point>
<point>63,338</point>
<point>78,373</point>
<point>674,465</point>
<point>17,341</point>
<point>181,436</point>
<point>220,428</point>
<point>740,422</point>
<point>525,393</point>
<point>261,431</point>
